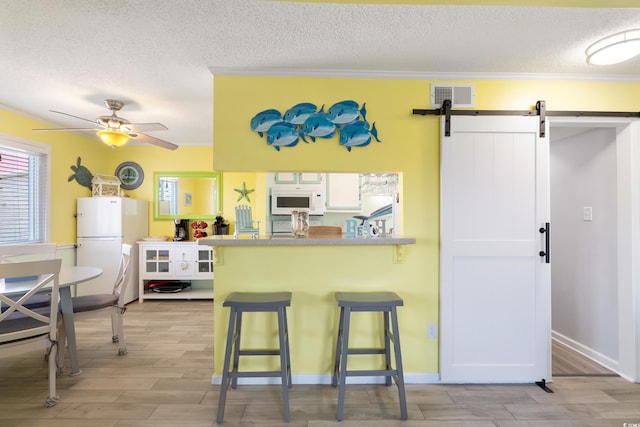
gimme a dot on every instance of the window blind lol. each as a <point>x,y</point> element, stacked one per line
<point>23,177</point>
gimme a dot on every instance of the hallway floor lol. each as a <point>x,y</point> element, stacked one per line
<point>164,381</point>
<point>568,362</point>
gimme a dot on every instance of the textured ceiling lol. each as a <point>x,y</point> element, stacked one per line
<point>158,56</point>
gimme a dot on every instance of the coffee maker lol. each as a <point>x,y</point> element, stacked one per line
<point>182,230</point>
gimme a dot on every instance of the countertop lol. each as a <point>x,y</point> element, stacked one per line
<point>170,241</point>
<point>246,240</point>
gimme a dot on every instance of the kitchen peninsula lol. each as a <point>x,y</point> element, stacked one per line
<point>313,269</point>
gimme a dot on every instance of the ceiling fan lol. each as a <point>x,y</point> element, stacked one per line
<point>115,131</point>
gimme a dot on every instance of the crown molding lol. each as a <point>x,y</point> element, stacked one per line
<point>535,3</point>
<point>415,75</point>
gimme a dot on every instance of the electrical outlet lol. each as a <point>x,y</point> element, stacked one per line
<point>432,331</point>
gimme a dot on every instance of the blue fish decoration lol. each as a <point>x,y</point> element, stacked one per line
<point>262,121</point>
<point>282,134</point>
<point>357,134</point>
<point>346,112</point>
<point>300,112</point>
<point>318,126</point>
<point>383,211</point>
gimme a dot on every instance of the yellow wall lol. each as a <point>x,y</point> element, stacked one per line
<point>537,3</point>
<point>99,159</point>
<point>410,145</point>
<point>159,159</point>
<point>65,149</point>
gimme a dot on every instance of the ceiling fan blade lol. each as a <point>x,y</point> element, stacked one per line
<point>146,127</point>
<point>71,115</point>
<point>153,140</point>
<point>66,129</point>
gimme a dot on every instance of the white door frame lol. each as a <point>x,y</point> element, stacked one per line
<point>628,233</point>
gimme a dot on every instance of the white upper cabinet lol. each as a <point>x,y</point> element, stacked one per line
<point>343,192</point>
<point>297,178</point>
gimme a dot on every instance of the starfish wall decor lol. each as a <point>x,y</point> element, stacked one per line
<point>244,192</point>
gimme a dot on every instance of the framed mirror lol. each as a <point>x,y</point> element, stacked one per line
<point>187,195</point>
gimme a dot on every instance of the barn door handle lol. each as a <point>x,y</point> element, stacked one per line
<point>546,231</point>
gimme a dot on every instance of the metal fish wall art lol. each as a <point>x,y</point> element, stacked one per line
<point>358,134</point>
<point>262,121</point>
<point>305,121</point>
<point>283,134</point>
<point>300,112</point>
<point>346,111</point>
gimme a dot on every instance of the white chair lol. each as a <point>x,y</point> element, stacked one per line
<point>23,328</point>
<point>245,223</point>
<point>29,252</point>
<point>112,304</point>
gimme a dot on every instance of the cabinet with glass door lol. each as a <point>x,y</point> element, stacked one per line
<point>175,270</point>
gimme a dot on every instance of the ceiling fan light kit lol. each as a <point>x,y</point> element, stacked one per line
<point>116,131</point>
<point>113,138</point>
<point>615,48</point>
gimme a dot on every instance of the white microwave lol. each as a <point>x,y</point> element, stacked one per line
<point>284,201</point>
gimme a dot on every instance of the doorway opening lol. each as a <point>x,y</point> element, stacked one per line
<point>587,270</point>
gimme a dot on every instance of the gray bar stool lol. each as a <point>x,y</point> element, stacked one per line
<point>240,302</point>
<point>385,302</point>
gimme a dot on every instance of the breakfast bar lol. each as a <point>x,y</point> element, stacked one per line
<point>312,269</point>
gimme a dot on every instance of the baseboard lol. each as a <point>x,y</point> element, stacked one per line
<point>597,357</point>
<point>426,378</point>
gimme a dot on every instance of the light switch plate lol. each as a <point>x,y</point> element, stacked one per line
<point>587,213</point>
<point>432,331</point>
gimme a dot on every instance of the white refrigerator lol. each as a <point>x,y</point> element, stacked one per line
<point>103,225</point>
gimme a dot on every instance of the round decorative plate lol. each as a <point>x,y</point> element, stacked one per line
<point>130,175</point>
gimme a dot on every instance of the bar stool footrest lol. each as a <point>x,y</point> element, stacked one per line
<point>366,373</point>
<point>366,351</point>
<point>254,374</point>
<point>258,352</point>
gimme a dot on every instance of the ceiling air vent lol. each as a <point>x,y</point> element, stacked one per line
<point>461,96</point>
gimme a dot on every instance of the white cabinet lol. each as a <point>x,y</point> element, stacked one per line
<point>176,261</point>
<point>297,178</point>
<point>343,192</point>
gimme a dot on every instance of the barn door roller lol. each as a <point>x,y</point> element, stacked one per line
<point>540,111</point>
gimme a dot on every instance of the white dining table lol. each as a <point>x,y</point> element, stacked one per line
<point>69,276</point>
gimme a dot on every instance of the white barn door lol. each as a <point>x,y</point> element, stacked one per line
<point>495,286</point>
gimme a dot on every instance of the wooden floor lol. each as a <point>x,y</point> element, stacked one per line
<point>164,381</point>
<point>567,362</point>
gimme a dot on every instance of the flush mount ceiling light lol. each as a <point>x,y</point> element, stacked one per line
<point>113,138</point>
<point>614,48</point>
